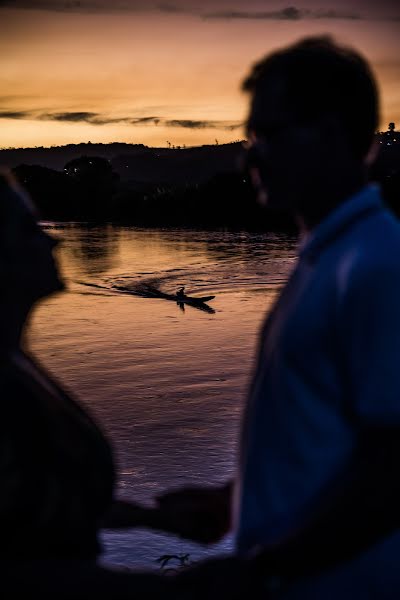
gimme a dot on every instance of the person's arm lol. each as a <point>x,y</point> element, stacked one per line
<point>124,514</point>
<point>198,514</point>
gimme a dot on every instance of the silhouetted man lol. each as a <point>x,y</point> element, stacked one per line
<point>317,493</point>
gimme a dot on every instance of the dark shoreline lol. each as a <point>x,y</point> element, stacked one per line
<point>202,187</point>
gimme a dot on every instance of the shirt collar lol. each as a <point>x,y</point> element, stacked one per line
<point>367,200</point>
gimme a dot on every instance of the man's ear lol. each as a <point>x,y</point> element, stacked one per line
<point>372,154</point>
<point>257,182</point>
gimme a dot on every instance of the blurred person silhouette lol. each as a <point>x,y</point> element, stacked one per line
<point>57,471</point>
<point>316,498</point>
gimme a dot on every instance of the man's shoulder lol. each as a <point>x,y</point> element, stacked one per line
<point>12,386</point>
<point>372,243</point>
<point>368,254</point>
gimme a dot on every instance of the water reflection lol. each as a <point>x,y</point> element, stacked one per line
<point>204,307</point>
<point>167,384</point>
<point>96,249</point>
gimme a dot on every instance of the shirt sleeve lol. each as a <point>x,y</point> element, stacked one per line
<point>370,336</point>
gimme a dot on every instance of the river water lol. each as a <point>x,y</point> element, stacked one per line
<point>167,385</point>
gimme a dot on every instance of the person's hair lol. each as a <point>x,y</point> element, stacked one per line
<point>321,78</point>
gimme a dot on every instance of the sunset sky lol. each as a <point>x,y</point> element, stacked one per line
<point>152,72</point>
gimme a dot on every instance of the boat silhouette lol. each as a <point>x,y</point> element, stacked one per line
<point>199,302</point>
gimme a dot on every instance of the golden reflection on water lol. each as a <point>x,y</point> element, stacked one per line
<point>167,385</point>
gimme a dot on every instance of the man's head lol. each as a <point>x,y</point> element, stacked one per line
<point>314,112</point>
<point>28,270</point>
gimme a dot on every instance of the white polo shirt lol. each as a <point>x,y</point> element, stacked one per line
<point>329,362</point>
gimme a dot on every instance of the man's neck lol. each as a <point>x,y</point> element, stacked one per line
<point>320,202</point>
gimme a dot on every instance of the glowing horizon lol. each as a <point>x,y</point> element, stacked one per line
<point>154,74</point>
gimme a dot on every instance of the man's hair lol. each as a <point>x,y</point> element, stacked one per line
<point>321,78</point>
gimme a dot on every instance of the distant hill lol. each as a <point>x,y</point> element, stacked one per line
<point>179,187</point>
<point>57,156</point>
<point>136,162</point>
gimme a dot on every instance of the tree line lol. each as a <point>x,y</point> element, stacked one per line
<point>89,189</point>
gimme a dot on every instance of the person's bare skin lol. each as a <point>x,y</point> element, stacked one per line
<point>202,515</point>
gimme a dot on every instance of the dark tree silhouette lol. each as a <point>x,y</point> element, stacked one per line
<point>193,187</point>
<point>94,181</point>
<point>51,192</point>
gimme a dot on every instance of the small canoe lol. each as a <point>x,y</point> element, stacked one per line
<point>193,300</point>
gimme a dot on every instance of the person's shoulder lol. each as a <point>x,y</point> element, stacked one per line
<point>369,257</point>
<point>374,241</point>
<point>12,384</point>
<point>15,397</point>
<point>380,244</point>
